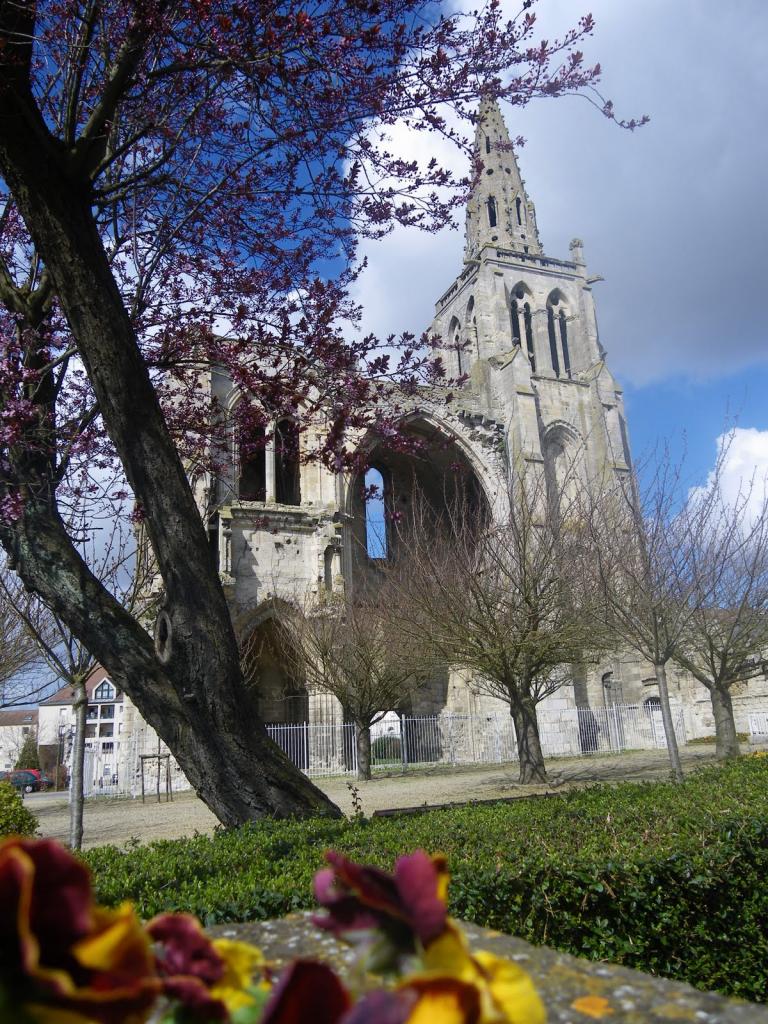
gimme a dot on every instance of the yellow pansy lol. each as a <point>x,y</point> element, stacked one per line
<point>241,961</point>
<point>506,992</point>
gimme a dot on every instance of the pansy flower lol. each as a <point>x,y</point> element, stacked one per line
<point>61,954</point>
<point>406,907</point>
<point>210,978</point>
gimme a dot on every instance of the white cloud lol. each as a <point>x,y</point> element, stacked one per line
<point>742,464</point>
<point>409,269</point>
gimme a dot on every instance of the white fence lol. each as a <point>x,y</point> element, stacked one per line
<point>758,725</point>
<point>322,749</point>
<point>329,748</point>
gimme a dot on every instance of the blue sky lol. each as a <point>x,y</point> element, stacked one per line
<point>674,216</point>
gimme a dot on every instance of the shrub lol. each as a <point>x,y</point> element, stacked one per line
<point>664,878</point>
<point>15,818</point>
<point>385,749</point>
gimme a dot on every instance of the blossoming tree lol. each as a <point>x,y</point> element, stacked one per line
<point>182,183</point>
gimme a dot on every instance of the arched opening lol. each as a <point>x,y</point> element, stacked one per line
<point>528,320</point>
<point>287,468</point>
<point>487,144</point>
<point>429,472</point>
<point>491,204</point>
<point>552,341</point>
<point>563,467</point>
<point>515,316</point>
<point>376,542</point>
<point>521,303</point>
<point>252,481</point>
<point>557,327</point>
<point>457,344</point>
<point>519,210</point>
<point>564,342</point>
<point>278,695</point>
<point>612,690</point>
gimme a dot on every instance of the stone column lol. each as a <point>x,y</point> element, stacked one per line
<point>269,470</point>
<point>326,734</point>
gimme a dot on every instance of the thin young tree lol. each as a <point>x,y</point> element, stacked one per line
<point>726,638</point>
<point>495,595</point>
<point>353,647</point>
<point>169,166</point>
<point>642,563</point>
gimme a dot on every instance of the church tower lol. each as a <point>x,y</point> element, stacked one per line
<point>519,326</point>
<point>499,211</point>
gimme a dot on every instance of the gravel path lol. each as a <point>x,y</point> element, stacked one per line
<point>119,821</point>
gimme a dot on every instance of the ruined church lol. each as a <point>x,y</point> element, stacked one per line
<point>519,326</point>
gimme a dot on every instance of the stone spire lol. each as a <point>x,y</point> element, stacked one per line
<point>499,212</point>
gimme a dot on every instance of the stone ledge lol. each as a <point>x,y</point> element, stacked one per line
<point>632,997</point>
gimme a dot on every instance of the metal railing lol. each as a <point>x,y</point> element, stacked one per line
<point>758,723</point>
<point>327,749</point>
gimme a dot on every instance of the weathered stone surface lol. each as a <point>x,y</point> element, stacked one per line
<point>631,997</point>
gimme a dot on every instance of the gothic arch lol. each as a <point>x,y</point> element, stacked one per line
<point>558,317</point>
<point>562,447</point>
<point>445,470</point>
<point>455,343</point>
<point>274,689</point>
<point>521,320</point>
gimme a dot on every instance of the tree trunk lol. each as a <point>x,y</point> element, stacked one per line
<point>219,742</point>
<point>666,717</point>
<point>190,688</point>
<point>528,743</point>
<point>726,742</point>
<point>78,757</point>
<point>363,741</point>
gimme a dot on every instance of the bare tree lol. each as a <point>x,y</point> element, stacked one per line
<point>496,596</point>
<point>726,636</point>
<point>642,559</point>
<point>355,648</point>
<point>112,561</point>
<point>18,656</point>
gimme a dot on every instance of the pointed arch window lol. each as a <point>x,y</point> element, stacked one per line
<point>287,475</point>
<point>518,210</point>
<point>557,326</point>
<point>487,144</point>
<point>564,342</point>
<point>376,540</point>
<point>252,482</point>
<point>456,343</point>
<point>516,335</point>
<point>553,341</point>
<point>492,220</point>
<point>528,320</point>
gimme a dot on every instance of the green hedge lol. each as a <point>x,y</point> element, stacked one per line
<point>15,818</point>
<point>668,879</point>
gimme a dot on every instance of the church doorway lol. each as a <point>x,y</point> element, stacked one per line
<point>280,697</point>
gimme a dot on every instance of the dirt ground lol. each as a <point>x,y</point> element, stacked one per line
<point>118,821</point>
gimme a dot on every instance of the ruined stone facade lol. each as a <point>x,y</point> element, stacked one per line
<point>519,325</point>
